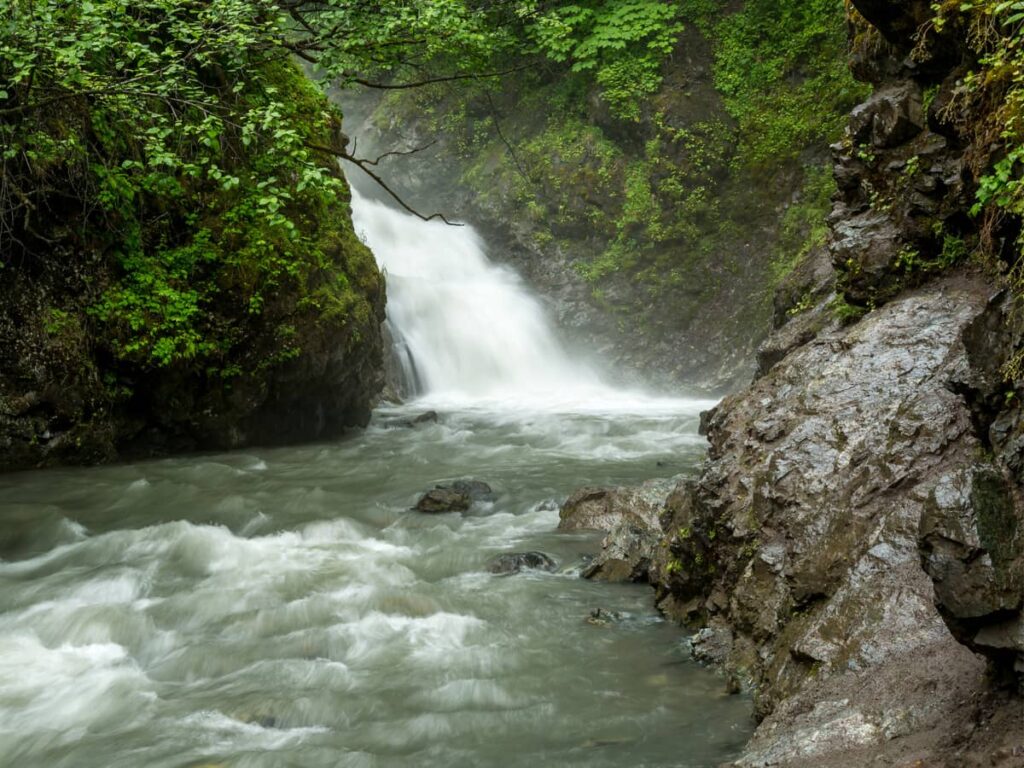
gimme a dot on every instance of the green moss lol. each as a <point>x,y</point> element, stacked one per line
<point>782,69</point>
<point>845,312</point>
<point>803,226</point>
<point>256,239</point>
<point>996,518</point>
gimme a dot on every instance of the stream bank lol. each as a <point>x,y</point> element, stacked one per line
<point>854,546</point>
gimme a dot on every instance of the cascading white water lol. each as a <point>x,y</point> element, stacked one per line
<point>467,331</point>
<point>471,327</point>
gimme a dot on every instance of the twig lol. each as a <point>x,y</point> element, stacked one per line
<point>364,165</point>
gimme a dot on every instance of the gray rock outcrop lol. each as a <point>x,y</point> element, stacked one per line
<point>848,518</point>
<point>630,518</point>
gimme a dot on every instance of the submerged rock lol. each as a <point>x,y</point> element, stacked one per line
<point>516,562</point>
<point>599,617</point>
<point>457,496</point>
<point>430,417</point>
<point>442,500</point>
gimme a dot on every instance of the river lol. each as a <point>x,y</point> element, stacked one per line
<point>285,607</point>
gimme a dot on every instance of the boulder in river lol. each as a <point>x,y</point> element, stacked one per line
<point>629,516</point>
<point>603,508</point>
<point>457,496</point>
<point>516,562</point>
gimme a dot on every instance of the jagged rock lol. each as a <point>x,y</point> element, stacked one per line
<point>810,280</point>
<point>972,546</point>
<point>892,116</point>
<point>864,249</point>
<point>712,645</point>
<point>626,554</point>
<point>630,518</point>
<point>515,562</point>
<point>457,496</point>
<point>801,538</point>
<point>801,329</point>
<point>602,509</point>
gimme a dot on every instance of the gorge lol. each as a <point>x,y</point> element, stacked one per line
<point>732,336</point>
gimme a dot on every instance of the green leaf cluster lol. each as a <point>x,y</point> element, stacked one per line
<point>782,69</point>
<point>176,148</point>
<point>989,108</point>
<point>621,42</point>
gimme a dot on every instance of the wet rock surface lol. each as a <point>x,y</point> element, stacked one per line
<point>604,508</point>
<point>516,562</point>
<point>457,496</point>
<point>853,546</point>
<point>833,540</point>
<point>629,517</point>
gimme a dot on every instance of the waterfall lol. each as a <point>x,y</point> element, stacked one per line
<point>467,332</point>
<point>466,328</point>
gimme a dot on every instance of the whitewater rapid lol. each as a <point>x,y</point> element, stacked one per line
<point>286,607</point>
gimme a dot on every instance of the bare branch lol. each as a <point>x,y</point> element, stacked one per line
<point>433,80</point>
<point>400,153</point>
<point>364,165</point>
<point>508,145</point>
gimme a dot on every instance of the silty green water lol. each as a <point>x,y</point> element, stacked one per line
<point>286,608</point>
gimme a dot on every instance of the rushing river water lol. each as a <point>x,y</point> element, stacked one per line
<point>285,607</point>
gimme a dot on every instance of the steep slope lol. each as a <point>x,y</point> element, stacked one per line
<point>655,232</point>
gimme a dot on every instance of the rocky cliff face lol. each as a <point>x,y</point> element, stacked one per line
<point>64,400</point>
<point>854,545</point>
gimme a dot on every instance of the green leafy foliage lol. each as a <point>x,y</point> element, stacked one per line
<point>622,42</point>
<point>989,106</point>
<point>782,69</point>
<point>184,148</point>
<point>803,226</point>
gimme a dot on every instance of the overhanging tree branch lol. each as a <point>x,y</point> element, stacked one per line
<point>434,80</point>
<point>365,165</point>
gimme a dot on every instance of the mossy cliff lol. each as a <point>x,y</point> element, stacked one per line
<point>146,310</point>
<point>656,227</point>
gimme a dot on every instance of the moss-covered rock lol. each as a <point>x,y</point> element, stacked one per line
<point>206,315</point>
